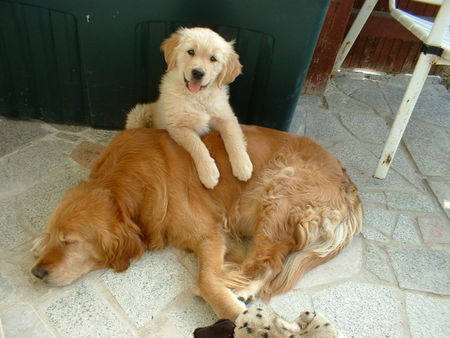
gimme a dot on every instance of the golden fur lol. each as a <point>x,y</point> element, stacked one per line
<point>187,115</point>
<point>300,209</point>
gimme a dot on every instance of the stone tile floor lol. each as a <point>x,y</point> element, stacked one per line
<point>392,281</point>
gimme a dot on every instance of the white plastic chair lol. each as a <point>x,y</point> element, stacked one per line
<point>435,50</point>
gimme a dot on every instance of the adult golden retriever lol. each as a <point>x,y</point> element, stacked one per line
<point>194,98</point>
<point>300,209</point>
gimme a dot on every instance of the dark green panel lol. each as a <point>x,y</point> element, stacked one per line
<point>67,65</point>
<point>90,61</point>
<point>150,63</point>
<point>15,89</point>
<point>41,68</point>
<point>7,98</point>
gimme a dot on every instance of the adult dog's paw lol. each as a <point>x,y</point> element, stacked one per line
<point>246,295</point>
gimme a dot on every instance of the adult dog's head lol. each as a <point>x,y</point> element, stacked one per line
<point>201,57</point>
<point>89,230</point>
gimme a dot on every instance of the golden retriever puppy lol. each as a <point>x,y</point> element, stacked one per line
<point>194,98</point>
<point>300,209</point>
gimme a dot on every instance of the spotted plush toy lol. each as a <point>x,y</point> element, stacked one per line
<point>314,324</point>
<point>263,323</point>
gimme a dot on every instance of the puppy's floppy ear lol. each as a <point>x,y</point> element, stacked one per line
<point>122,242</point>
<point>168,47</point>
<point>230,70</point>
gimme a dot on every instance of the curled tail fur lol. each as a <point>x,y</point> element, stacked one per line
<point>140,116</point>
<point>335,237</point>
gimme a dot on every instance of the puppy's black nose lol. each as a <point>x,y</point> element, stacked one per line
<point>39,272</point>
<point>198,73</point>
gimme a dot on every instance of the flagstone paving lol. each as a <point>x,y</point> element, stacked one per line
<point>392,281</point>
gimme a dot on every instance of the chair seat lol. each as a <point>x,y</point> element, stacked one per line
<point>421,28</point>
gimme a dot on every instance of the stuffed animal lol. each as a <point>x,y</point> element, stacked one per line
<point>261,322</point>
<point>264,323</point>
<point>314,324</point>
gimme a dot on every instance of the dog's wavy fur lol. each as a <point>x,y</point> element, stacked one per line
<point>187,115</point>
<point>300,209</point>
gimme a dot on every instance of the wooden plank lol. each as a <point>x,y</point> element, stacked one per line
<point>383,44</point>
<point>432,2</point>
<point>370,48</point>
<point>401,56</point>
<point>393,56</point>
<point>330,38</point>
<point>381,24</point>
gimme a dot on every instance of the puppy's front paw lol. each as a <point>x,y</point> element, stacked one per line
<point>209,174</point>
<point>242,168</point>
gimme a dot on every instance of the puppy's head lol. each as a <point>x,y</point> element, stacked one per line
<point>87,231</point>
<point>201,57</point>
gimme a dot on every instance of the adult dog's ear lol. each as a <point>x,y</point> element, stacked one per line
<point>121,245</point>
<point>168,47</point>
<point>230,70</point>
<point>122,242</point>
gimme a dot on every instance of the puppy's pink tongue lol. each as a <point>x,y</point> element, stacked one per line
<point>194,87</point>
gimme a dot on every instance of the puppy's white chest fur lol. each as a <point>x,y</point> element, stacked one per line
<point>177,107</point>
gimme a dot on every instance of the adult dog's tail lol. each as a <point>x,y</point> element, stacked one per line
<point>334,235</point>
<point>140,116</point>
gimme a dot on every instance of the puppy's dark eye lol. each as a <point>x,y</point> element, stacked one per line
<point>213,58</point>
<point>191,52</point>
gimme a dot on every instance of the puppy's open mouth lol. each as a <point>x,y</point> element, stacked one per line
<point>194,86</point>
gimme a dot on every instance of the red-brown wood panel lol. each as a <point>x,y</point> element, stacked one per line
<point>383,44</point>
<point>330,39</point>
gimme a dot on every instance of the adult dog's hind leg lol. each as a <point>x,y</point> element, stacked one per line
<point>272,242</point>
<point>211,281</point>
<point>266,209</point>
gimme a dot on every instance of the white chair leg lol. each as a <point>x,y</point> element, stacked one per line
<point>353,32</point>
<point>404,112</point>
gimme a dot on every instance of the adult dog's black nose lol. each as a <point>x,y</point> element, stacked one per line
<point>198,73</point>
<point>39,272</point>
